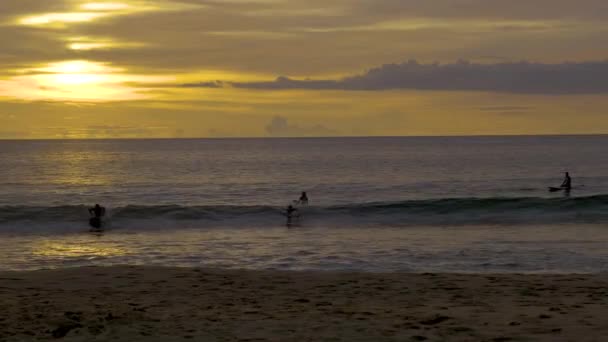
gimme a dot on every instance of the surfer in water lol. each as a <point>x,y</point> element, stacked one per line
<point>567,183</point>
<point>303,198</point>
<point>97,212</point>
<point>290,213</point>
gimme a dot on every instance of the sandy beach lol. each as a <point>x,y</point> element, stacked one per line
<point>130,303</point>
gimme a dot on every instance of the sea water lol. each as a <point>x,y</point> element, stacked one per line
<point>439,204</point>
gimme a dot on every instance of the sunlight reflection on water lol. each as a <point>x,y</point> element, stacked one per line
<point>456,249</point>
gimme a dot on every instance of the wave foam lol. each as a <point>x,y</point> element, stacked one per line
<point>449,211</point>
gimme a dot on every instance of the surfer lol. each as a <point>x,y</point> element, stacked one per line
<point>97,212</point>
<point>304,198</point>
<point>290,211</point>
<point>567,183</point>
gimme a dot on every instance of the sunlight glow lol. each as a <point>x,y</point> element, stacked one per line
<point>104,6</point>
<point>78,67</point>
<point>88,46</point>
<point>87,43</point>
<point>59,18</point>
<point>79,80</point>
<point>90,11</point>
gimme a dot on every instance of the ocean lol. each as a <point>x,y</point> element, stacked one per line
<point>406,204</point>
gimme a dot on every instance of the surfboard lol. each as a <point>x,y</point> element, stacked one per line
<point>554,189</point>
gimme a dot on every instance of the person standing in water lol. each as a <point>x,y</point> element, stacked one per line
<point>290,213</point>
<point>567,183</point>
<point>304,198</point>
<point>97,211</point>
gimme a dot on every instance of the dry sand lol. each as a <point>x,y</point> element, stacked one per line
<point>181,304</point>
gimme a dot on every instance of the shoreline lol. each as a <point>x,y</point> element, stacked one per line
<point>133,303</point>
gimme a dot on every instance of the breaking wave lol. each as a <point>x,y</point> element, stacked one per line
<point>436,212</point>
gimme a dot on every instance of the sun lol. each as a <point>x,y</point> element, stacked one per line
<point>80,80</point>
<point>77,73</point>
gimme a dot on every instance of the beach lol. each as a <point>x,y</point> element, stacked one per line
<point>143,303</point>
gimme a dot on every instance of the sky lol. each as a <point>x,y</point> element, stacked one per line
<point>269,68</point>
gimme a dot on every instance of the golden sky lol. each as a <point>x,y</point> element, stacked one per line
<point>226,68</point>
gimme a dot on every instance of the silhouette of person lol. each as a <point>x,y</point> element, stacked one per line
<point>290,211</point>
<point>567,183</point>
<point>97,211</point>
<point>304,198</point>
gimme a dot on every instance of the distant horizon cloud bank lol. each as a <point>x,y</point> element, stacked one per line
<point>506,77</point>
<point>280,126</point>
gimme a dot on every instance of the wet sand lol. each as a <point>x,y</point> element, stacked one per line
<point>181,304</point>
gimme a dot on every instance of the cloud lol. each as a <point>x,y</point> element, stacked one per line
<point>10,9</point>
<point>280,127</point>
<point>115,130</point>
<point>14,134</point>
<point>179,133</point>
<point>131,131</point>
<point>213,84</point>
<point>507,110</point>
<point>316,37</point>
<point>107,131</point>
<point>521,78</point>
<point>7,117</point>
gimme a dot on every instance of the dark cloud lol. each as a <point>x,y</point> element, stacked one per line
<point>494,9</point>
<point>280,127</point>
<point>321,36</point>
<point>11,8</point>
<point>372,9</point>
<point>214,84</point>
<point>522,77</point>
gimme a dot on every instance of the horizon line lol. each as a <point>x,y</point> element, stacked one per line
<point>315,137</point>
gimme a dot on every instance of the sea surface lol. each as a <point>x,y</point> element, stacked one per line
<point>419,204</point>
